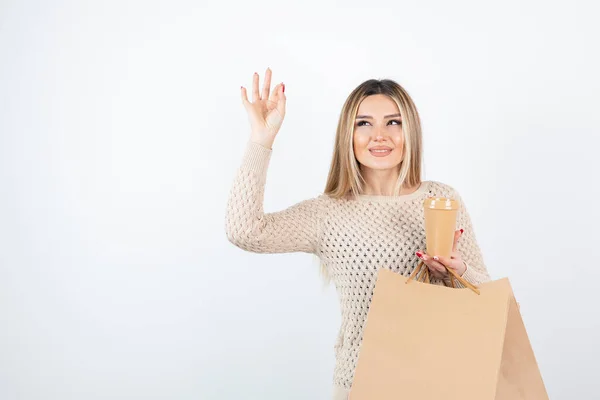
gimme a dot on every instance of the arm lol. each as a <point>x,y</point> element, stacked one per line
<point>294,229</point>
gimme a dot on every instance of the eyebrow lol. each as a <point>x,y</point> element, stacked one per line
<point>369,117</point>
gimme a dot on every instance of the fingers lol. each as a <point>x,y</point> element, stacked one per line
<point>457,235</point>
<point>255,95</point>
<point>281,99</point>
<point>445,261</point>
<point>275,94</point>
<point>266,88</point>
<point>267,84</point>
<point>435,273</point>
<point>278,98</point>
<point>437,269</point>
<point>244,95</point>
<point>436,266</point>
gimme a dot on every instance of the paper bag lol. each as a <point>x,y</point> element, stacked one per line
<point>430,342</point>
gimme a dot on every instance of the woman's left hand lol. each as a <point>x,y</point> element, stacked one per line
<point>437,264</point>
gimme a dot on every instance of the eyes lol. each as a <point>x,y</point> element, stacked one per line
<point>397,121</point>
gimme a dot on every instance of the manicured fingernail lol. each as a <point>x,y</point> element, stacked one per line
<point>283,86</point>
<point>461,230</point>
<point>419,254</point>
<point>436,258</point>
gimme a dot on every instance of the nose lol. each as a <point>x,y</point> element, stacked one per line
<point>379,132</point>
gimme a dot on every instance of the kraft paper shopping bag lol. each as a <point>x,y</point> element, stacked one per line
<point>430,342</point>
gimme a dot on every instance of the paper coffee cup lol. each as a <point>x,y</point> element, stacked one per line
<point>440,225</point>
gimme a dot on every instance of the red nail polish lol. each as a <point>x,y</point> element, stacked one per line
<point>419,254</point>
<point>283,86</point>
<point>461,230</point>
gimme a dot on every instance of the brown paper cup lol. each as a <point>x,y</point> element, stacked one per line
<point>440,225</point>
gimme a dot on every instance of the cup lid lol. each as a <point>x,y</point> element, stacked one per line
<point>441,203</point>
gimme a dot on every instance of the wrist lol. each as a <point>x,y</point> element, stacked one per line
<point>263,140</point>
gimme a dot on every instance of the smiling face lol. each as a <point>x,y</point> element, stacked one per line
<point>378,125</point>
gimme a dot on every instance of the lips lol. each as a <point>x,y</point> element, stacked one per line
<point>380,148</point>
<point>380,151</point>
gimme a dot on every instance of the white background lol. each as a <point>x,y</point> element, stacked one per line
<point>121,128</point>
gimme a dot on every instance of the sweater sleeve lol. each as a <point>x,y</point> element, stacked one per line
<point>294,229</point>
<point>468,248</point>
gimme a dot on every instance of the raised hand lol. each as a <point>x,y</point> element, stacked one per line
<point>265,112</point>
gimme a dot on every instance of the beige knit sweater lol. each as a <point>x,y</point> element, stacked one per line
<point>354,238</point>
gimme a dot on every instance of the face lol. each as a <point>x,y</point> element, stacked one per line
<point>378,124</point>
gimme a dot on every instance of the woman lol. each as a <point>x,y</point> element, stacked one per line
<point>370,215</point>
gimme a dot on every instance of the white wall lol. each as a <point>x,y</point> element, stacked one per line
<point>121,128</point>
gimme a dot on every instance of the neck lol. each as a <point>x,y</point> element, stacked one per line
<point>380,182</point>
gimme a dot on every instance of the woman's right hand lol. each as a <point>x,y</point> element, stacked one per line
<point>265,112</point>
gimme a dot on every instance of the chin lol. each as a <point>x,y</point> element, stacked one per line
<point>382,165</point>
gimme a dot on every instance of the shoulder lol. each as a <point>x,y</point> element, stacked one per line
<point>316,203</point>
<point>325,199</point>
<point>442,189</point>
<point>319,198</point>
<point>324,204</point>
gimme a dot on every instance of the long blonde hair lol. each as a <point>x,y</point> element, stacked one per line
<point>345,178</point>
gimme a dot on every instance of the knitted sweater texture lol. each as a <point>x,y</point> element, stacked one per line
<point>354,238</point>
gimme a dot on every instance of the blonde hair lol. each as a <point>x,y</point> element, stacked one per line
<point>345,178</point>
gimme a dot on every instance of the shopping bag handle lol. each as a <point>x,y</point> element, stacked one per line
<point>421,274</point>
